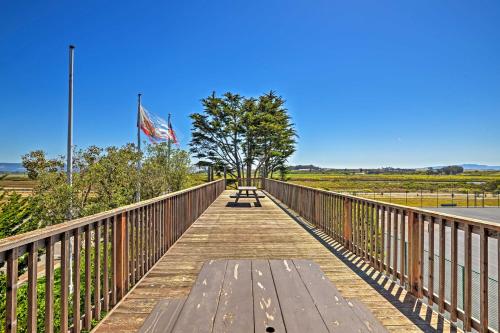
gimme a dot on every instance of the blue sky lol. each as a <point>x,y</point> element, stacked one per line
<point>368,83</point>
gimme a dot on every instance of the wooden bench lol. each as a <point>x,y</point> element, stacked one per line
<point>247,189</point>
<point>291,296</point>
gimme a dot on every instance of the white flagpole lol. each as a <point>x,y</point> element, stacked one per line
<point>69,157</point>
<point>138,192</point>
<point>69,162</point>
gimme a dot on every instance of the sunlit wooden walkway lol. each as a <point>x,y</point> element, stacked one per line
<point>267,232</point>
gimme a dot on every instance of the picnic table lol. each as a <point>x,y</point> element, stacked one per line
<point>261,296</point>
<point>247,189</point>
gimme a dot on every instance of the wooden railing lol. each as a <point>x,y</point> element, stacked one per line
<point>119,247</point>
<point>421,249</point>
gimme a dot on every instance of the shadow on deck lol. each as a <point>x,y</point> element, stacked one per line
<point>246,231</point>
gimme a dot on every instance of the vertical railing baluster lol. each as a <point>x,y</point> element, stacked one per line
<point>87,322</point>
<point>402,249</point>
<point>137,249</point>
<point>131,259</point>
<point>105,278</point>
<point>453,310</point>
<point>121,235</point>
<point>467,277</point>
<point>483,282</point>
<point>126,275</point>
<point>97,271</point>
<point>388,244</point>
<point>11,296</point>
<point>442,259</point>
<point>76,280</point>
<point>430,287</point>
<point>49,285</point>
<point>114,259</point>
<point>65,271</point>
<point>32,284</point>
<point>395,246</point>
<point>382,237</point>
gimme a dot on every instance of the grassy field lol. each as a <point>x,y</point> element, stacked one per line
<point>17,182</point>
<point>415,189</point>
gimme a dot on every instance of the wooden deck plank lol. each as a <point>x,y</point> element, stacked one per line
<point>336,313</point>
<point>235,312</point>
<point>201,306</point>
<point>265,232</point>
<point>267,312</point>
<point>163,316</point>
<point>298,309</point>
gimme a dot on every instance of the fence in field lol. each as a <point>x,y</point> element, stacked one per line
<point>433,199</point>
<point>115,249</point>
<point>450,261</point>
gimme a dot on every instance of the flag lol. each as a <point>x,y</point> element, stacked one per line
<point>171,132</point>
<point>155,128</point>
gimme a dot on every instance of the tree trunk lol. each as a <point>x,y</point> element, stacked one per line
<point>249,174</point>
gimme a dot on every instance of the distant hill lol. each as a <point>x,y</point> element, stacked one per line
<point>480,167</point>
<point>308,167</point>
<point>11,168</point>
<point>472,167</point>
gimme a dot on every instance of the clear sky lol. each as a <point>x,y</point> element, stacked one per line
<point>368,83</point>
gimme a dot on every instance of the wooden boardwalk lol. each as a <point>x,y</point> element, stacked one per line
<point>267,232</point>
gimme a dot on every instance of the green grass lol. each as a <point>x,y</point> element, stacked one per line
<point>379,186</point>
<point>337,181</point>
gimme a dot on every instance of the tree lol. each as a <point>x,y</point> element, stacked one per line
<point>276,134</point>
<point>36,163</point>
<point>164,170</point>
<point>452,170</point>
<point>217,132</point>
<point>15,213</point>
<point>241,133</point>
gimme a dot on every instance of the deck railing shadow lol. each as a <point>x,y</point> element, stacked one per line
<point>409,306</point>
<point>447,261</point>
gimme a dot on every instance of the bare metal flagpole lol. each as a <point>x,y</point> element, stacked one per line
<point>169,142</point>
<point>69,161</point>
<point>138,192</point>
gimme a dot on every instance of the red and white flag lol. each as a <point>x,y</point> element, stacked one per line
<point>155,128</point>
<point>171,132</point>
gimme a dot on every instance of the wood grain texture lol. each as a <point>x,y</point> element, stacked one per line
<point>298,309</point>
<point>265,232</point>
<point>335,311</point>
<point>235,310</point>
<point>201,306</point>
<point>163,316</point>
<point>267,312</point>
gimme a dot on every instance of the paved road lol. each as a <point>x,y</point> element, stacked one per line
<point>488,213</point>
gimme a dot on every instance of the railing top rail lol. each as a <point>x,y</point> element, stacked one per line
<point>492,226</point>
<point>36,235</point>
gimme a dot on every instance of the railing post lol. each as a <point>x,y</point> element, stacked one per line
<point>121,234</point>
<point>347,223</point>
<point>415,254</point>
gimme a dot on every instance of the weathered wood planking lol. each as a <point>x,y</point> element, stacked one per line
<point>267,312</point>
<point>163,316</point>
<point>265,232</point>
<point>235,311</point>
<point>307,298</point>
<point>334,310</point>
<point>298,309</point>
<point>201,306</point>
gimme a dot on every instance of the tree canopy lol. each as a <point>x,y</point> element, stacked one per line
<point>244,134</point>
